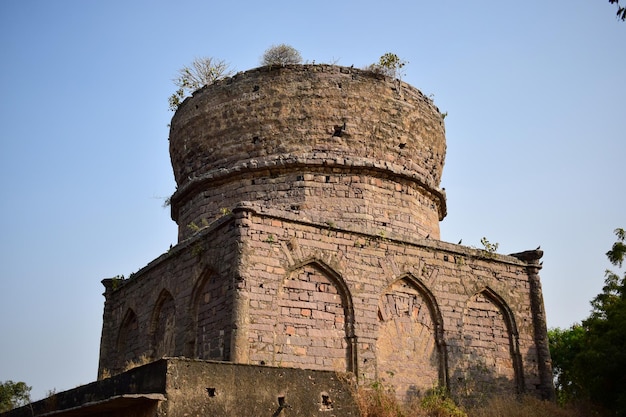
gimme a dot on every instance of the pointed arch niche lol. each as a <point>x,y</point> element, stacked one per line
<point>410,350</point>
<point>127,340</point>
<point>210,310</point>
<point>490,345</point>
<point>163,326</point>
<point>316,320</point>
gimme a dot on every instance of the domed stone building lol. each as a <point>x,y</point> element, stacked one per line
<point>308,203</point>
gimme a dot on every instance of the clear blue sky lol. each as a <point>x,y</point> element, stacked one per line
<point>534,92</point>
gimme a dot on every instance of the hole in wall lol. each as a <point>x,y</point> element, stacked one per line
<point>300,178</point>
<point>402,145</point>
<point>262,363</point>
<point>326,403</point>
<point>211,391</point>
<point>327,178</point>
<point>339,129</point>
<point>256,140</point>
<point>281,405</point>
<point>256,88</point>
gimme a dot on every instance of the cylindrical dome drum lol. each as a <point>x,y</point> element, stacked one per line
<point>329,144</point>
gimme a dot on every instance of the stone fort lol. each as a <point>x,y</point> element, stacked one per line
<point>308,204</point>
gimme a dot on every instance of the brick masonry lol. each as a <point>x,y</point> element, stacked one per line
<point>308,205</point>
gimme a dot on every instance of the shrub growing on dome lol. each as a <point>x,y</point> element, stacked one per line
<point>281,55</point>
<point>203,71</point>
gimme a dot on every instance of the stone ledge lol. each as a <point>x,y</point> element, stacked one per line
<point>196,387</point>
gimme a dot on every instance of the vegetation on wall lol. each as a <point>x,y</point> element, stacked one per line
<point>489,247</point>
<point>589,359</point>
<point>389,65</point>
<point>201,72</point>
<point>207,70</point>
<point>282,54</point>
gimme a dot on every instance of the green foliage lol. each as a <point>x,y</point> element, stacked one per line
<point>117,281</point>
<point>203,71</point>
<point>13,395</point>
<point>618,252</point>
<point>438,403</point>
<point>197,249</point>
<point>389,65</point>
<point>379,400</point>
<point>590,359</point>
<point>281,55</point>
<point>565,346</point>
<point>489,247</point>
<point>195,228</point>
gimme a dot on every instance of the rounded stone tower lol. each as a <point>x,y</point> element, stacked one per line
<point>334,145</point>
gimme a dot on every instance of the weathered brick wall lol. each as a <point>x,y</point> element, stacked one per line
<point>311,139</point>
<point>289,293</point>
<point>181,304</point>
<point>412,313</point>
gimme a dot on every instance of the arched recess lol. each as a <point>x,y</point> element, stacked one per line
<point>315,328</point>
<point>210,310</point>
<point>491,346</point>
<point>163,326</point>
<point>127,340</point>
<point>411,354</point>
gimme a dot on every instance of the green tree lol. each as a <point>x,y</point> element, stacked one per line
<point>590,359</point>
<point>13,395</point>
<point>603,359</point>
<point>203,71</point>
<point>565,346</point>
<point>281,55</point>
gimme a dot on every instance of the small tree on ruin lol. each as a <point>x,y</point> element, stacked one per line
<point>203,71</point>
<point>281,55</point>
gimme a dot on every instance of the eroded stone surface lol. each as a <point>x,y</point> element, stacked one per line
<point>319,140</point>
